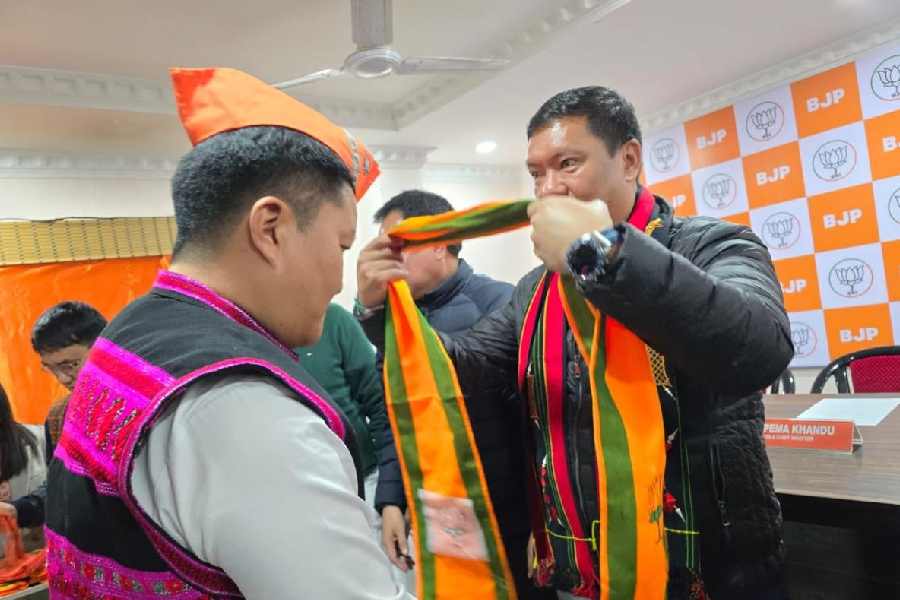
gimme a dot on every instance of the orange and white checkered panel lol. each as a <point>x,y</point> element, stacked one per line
<point>813,166</point>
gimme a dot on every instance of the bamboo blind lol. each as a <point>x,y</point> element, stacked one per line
<point>65,240</point>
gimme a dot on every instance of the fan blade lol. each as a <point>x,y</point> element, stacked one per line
<point>436,64</point>
<point>373,23</point>
<point>317,76</point>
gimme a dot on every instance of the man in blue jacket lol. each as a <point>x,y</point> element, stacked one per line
<point>453,298</point>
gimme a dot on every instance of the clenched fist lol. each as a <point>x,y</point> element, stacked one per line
<point>558,221</point>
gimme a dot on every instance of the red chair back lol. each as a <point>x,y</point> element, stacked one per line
<point>876,374</point>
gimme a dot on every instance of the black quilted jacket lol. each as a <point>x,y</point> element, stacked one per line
<point>704,294</point>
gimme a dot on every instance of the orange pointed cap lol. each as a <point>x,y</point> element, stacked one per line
<point>212,101</point>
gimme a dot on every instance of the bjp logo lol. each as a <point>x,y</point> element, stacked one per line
<point>781,230</point>
<point>765,121</point>
<point>886,79</point>
<point>804,338</point>
<point>850,278</point>
<point>894,205</point>
<point>664,155</point>
<point>719,191</point>
<point>834,160</point>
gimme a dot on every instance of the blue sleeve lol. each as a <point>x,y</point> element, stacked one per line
<point>492,296</point>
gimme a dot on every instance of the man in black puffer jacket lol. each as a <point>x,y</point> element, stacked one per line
<point>453,298</point>
<point>701,293</point>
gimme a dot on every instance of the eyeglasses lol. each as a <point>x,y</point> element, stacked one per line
<point>66,368</point>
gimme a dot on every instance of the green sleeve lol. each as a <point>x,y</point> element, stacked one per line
<point>362,376</point>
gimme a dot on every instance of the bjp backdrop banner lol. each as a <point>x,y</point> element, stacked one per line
<point>813,166</point>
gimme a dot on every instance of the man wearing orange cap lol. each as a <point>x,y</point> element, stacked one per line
<point>191,401</point>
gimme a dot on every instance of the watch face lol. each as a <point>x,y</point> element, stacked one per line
<point>584,257</point>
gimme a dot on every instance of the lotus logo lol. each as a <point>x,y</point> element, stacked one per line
<point>886,79</point>
<point>804,338</point>
<point>664,155</point>
<point>781,230</point>
<point>834,160</point>
<point>765,121</point>
<point>850,278</point>
<point>894,205</point>
<point>719,191</point>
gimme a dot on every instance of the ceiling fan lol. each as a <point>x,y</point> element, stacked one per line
<point>373,34</point>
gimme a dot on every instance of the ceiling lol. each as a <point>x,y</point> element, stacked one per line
<point>658,53</point>
<point>274,39</point>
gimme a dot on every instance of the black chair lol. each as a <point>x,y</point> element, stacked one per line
<point>786,382</point>
<point>874,370</point>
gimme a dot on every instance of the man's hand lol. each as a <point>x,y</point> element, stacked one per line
<point>393,535</point>
<point>8,510</point>
<point>379,263</point>
<point>558,221</point>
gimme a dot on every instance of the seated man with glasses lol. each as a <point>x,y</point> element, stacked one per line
<point>62,337</point>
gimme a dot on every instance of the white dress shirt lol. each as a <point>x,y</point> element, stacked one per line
<point>250,480</point>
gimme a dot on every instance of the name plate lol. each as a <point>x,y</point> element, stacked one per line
<point>840,436</point>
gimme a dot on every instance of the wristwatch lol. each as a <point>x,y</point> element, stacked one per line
<point>362,312</point>
<point>590,256</point>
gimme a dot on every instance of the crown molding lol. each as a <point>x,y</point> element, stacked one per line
<point>26,85</point>
<point>353,113</point>
<point>400,157</point>
<point>73,89</point>
<point>31,164</point>
<point>466,173</point>
<point>799,67</point>
<point>515,46</point>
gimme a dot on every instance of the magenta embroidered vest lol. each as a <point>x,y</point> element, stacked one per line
<point>101,545</point>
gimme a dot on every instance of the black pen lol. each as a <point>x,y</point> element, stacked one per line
<point>410,563</point>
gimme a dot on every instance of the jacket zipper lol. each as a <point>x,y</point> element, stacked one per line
<point>720,486</point>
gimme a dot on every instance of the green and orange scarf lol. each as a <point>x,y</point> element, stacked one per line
<point>459,552</point>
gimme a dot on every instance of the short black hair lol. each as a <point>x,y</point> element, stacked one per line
<point>610,116</point>
<point>216,182</point>
<point>66,324</point>
<point>417,203</point>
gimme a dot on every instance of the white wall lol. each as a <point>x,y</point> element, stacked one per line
<point>39,199</point>
<point>52,185</point>
<point>805,377</point>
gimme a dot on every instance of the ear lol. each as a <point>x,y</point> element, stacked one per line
<point>440,252</point>
<point>632,159</point>
<point>266,224</point>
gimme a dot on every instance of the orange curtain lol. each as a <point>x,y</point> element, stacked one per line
<point>28,290</point>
